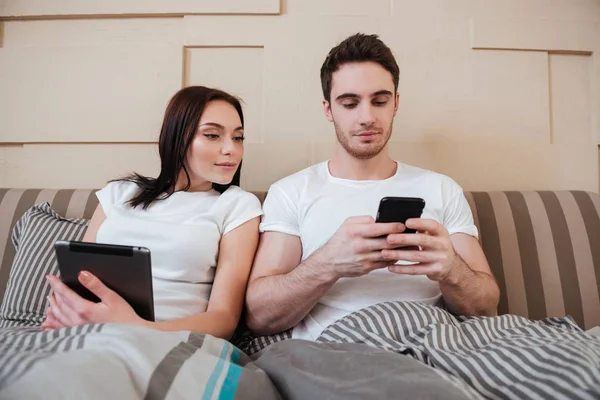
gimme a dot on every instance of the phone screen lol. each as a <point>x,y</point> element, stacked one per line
<point>400,209</point>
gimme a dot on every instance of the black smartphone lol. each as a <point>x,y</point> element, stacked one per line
<point>399,209</point>
<point>125,269</point>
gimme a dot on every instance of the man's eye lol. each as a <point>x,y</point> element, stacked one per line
<point>349,105</point>
<point>380,103</point>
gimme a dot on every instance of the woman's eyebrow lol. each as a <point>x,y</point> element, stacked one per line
<point>213,124</point>
<point>219,126</point>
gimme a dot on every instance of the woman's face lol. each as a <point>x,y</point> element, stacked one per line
<point>217,149</point>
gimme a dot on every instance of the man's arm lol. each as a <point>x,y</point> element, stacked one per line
<point>282,291</point>
<point>470,287</point>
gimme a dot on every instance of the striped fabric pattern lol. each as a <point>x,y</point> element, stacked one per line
<point>79,203</point>
<point>544,249</point>
<point>504,357</point>
<point>254,345</point>
<point>543,246</point>
<point>16,345</point>
<point>25,300</point>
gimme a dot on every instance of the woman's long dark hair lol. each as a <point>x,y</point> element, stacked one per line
<point>180,123</point>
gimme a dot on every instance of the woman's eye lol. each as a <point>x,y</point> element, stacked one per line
<point>211,136</point>
<point>239,139</point>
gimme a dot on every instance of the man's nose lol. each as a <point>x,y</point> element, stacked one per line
<point>366,116</point>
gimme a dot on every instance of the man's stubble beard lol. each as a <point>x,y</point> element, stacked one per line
<point>356,152</point>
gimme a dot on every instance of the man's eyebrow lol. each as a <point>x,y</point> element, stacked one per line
<point>382,93</point>
<point>219,126</point>
<point>347,96</point>
<point>355,96</point>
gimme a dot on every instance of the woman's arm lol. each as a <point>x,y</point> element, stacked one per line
<point>92,230</point>
<point>236,254</point>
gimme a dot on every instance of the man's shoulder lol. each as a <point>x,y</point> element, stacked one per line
<point>426,175</point>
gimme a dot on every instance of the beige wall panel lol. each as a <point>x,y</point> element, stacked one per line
<point>534,34</point>
<point>519,165</point>
<point>573,33</point>
<point>431,10</point>
<point>36,8</point>
<point>338,7</point>
<point>93,32</point>
<point>571,98</point>
<point>75,165</point>
<point>567,10</point>
<point>86,94</point>
<point>265,163</point>
<point>499,165</point>
<point>226,30</point>
<point>465,96</point>
<point>237,70</point>
<point>571,10</point>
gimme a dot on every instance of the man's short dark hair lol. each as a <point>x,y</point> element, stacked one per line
<point>357,48</point>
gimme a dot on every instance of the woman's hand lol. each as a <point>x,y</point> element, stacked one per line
<point>67,308</point>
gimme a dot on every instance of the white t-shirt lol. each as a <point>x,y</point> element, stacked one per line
<point>182,233</point>
<point>312,204</point>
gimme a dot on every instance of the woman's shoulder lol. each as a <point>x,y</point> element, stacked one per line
<point>236,206</point>
<point>117,192</point>
<point>236,195</point>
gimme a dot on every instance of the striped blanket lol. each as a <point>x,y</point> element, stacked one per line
<point>125,362</point>
<point>504,357</point>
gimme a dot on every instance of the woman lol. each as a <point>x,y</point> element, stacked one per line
<point>201,228</point>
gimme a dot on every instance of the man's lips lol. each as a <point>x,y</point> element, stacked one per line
<point>367,134</point>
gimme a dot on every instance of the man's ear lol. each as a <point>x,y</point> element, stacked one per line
<point>397,103</point>
<point>327,110</point>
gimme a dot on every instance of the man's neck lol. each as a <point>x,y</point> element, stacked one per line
<point>343,165</point>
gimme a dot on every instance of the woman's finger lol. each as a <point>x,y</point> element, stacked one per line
<point>60,313</point>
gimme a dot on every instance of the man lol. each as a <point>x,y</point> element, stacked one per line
<point>322,256</point>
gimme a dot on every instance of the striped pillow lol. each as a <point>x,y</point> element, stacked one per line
<point>25,300</point>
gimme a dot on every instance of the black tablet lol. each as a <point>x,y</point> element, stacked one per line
<point>125,269</point>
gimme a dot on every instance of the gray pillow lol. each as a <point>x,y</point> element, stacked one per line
<point>25,300</point>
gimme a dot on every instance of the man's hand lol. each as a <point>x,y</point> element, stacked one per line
<point>67,308</point>
<point>437,258</point>
<point>355,249</point>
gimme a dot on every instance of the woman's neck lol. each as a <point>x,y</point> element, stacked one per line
<point>195,185</point>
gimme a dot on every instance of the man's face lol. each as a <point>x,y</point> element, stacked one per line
<point>362,108</point>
